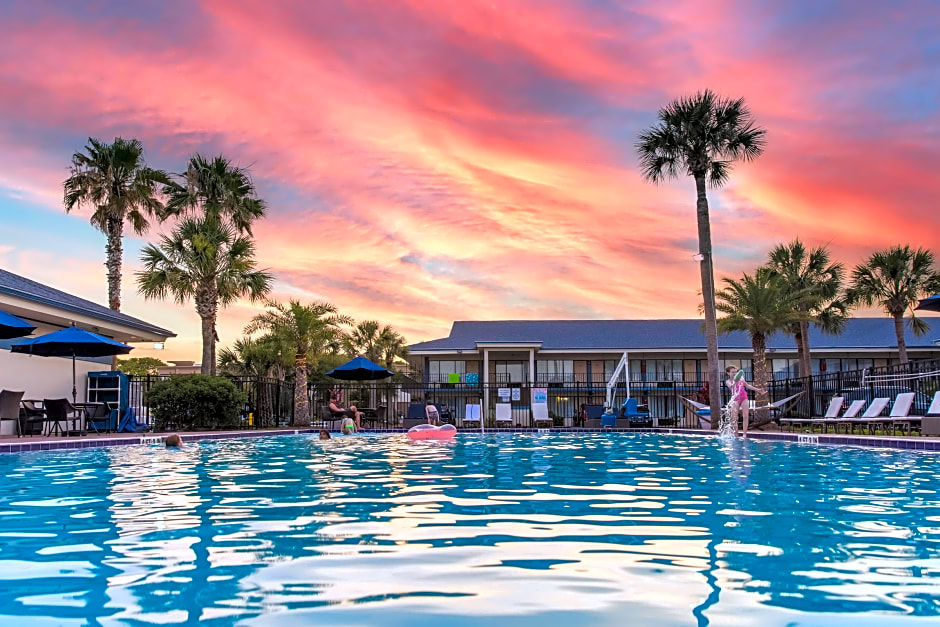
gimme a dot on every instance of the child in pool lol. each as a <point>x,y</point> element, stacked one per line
<point>349,426</point>
<point>739,401</point>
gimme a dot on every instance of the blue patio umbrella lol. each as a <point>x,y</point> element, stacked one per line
<point>931,303</point>
<point>11,326</point>
<point>359,369</point>
<point>71,342</point>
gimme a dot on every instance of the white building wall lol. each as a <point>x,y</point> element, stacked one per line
<point>44,377</point>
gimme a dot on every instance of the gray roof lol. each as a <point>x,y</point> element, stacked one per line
<point>21,287</point>
<point>860,333</point>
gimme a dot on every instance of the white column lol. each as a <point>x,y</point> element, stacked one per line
<point>531,367</point>
<point>486,384</point>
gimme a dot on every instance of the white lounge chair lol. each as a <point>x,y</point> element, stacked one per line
<point>872,415</point>
<point>830,417</point>
<point>472,414</point>
<point>930,423</point>
<point>900,412</point>
<point>504,414</point>
<point>540,414</point>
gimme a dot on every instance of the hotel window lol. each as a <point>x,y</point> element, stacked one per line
<point>555,370</point>
<point>512,371</point>
<point>447,371</point>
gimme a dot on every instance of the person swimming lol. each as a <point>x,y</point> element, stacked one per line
<point>325,435</point>
<point>174,441</point>
<point>349,426</point>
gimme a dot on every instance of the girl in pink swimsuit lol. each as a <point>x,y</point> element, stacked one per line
<point>739,401</point>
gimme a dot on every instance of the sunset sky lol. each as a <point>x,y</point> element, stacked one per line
<point>433,160</point>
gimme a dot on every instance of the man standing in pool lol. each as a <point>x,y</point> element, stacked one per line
<point>739,401</point>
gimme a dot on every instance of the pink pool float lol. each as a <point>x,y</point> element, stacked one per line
<point>430,432</point>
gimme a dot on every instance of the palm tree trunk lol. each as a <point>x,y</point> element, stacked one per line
<point>115,253</point>
<point>802,346</point>
<point>301,396</point>
<point>708,293</point>
<point>899,331</point>
<point>207,307</point>
<point>759,346</point>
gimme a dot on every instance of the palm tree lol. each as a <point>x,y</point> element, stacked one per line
<point>116,183</point>
<point>391,345</point>
<point>205,261</point>
<point>896,279</point>
<point>811,273</point>
<point>262,357</point>
<point>307,330</point>
<point>761,305</point>
<point>363,340</point>
<point>700,136</point>
<point>216,189</point>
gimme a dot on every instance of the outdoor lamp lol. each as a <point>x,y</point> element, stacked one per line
<point>698,257</point>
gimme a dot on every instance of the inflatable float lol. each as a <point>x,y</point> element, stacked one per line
<point>430,432</point>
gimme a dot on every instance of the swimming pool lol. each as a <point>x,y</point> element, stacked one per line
<point>521,529</point>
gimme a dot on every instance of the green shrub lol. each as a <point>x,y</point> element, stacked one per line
<point>195,401</point>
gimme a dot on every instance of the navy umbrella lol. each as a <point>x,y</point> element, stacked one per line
<point>931,303</point>
<point>71,342</point>
<point>11,326</point>
<point>359,369</point>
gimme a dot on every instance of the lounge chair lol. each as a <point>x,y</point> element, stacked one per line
<point>900,411</point>
<point>327,416</point>
<point>504,414</point>
<point>540,414</point>
<point>930,423</point>
<point>10,412</point>
<point>872,415</point>
<point>831,415</point>
<point>472,414</point>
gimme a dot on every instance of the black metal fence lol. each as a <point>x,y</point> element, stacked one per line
<point>920,377</point>
<point>270,401</point>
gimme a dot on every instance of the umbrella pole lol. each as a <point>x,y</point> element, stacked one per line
<point>74,397</point>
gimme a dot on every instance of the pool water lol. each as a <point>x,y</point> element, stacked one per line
<point>520,529</point>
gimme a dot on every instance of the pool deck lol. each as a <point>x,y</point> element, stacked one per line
<point>13,444</point>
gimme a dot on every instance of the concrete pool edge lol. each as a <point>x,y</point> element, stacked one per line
<point>23,445</point>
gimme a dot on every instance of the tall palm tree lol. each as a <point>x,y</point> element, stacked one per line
<point>701,136</point>
<point>262,357</point>
<point>308,330</point>
<point>216,189</point>
<point>811,273</point>
<point>759,304</point>
<point>391,345</point>
<point>896,279</point>
<point>205,261</point>
<point>363,340</point>
<point>115,181</point>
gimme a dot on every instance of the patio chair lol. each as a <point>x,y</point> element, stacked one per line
<point>540,414</point>
<point>10,412</point>
<point>444,412</point>
<point>872,415</point>
<point>60,410</point>
<point>830,417</point>
<point>472,414</point>
<point>930,422</point>
<point>327,416</point>
<point>416,415</point>
<point>32,419</point>
<point>98,418</point>
<point>504,414</point>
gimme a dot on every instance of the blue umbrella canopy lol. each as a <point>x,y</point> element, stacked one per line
<point>71,342</point>
<point>931,303</point>
<point>11,326</point>
<point>359,369</point>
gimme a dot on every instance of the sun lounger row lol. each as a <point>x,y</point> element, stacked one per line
<point>898,418</point>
